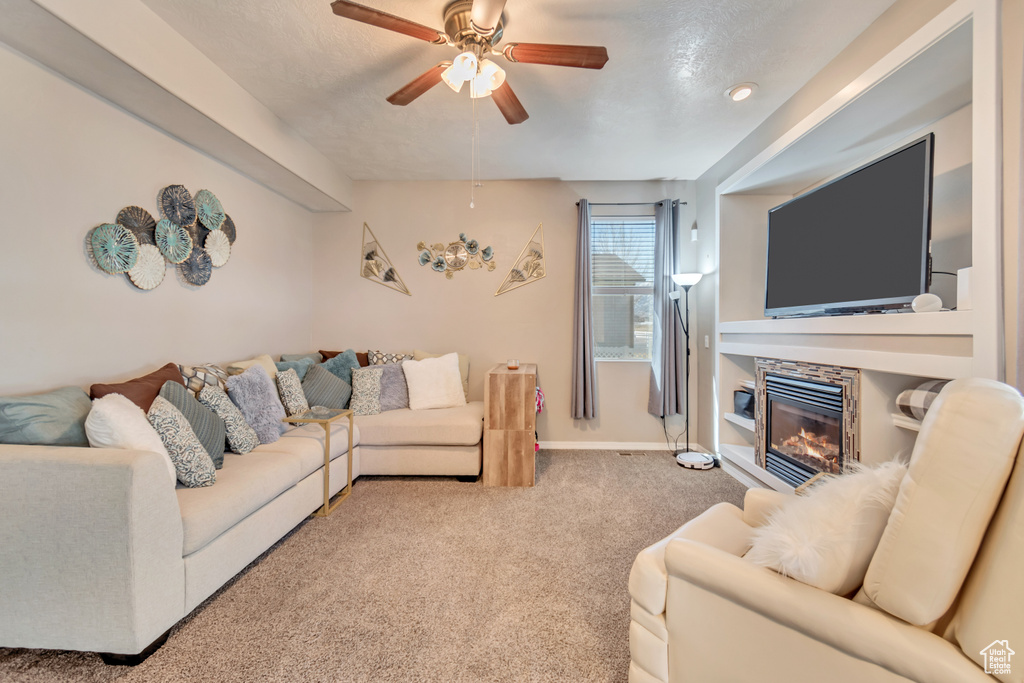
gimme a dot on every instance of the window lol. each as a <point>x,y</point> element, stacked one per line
<point>622,272</point>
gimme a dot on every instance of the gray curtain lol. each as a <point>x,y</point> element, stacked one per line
<point>668,360</point>
<point>584,372</point>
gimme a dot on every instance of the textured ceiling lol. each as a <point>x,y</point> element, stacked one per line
<point>656,110</point>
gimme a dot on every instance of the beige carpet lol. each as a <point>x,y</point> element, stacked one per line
<point>430,579</point>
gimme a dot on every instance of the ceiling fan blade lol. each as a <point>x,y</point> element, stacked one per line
<point>485,15</point>
<point>582,56</point>
<point>419,85</point>
<point>510,106</point>
<point>368,15</point>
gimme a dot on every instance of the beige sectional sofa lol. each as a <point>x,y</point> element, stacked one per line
<point>98,553</point>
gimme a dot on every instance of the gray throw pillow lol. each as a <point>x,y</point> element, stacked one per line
<point>56,418</point>
<point>290,389</point>
<point>366,390</point>
<point>241,437</point>
<point>325,389</point>
<point>207,425</point>
<point>192,464</point>
<point>313,356</point>
<point>256,396</point>
<point>341,366</point>
<point>301,367</point>
<point>394,391</point>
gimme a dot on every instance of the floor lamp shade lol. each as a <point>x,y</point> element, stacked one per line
<point>686,280</point>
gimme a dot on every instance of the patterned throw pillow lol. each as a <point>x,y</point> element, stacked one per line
<point>324,389</point>
<point>301,367</point>
<point>256,396</point>
<point>384,358</point>
<point>207,425</point>
<point>241,437</point>
<point>341,366</point>
<point>366,390</point>
<point>199,376</point>
<point>916,402</point>
<point>394,391</point>
<point>192,463</point>
<point>290,388</point>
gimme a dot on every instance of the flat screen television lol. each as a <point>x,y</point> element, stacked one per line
<point>858,243</point>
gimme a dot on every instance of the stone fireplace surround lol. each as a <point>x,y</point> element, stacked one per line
<point>847,378</point>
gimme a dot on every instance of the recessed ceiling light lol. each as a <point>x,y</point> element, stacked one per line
<point>740,91</point>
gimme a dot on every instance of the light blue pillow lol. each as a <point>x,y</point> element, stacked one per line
<point>56,418</point>
<point>312,355</point>
<point>301,367</point>
<point>341,366</point>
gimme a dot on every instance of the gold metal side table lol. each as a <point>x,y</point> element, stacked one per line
<point>325,420</point>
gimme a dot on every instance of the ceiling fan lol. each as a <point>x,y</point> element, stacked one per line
<point>475,28</point>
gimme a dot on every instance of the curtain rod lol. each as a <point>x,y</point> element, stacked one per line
<point>626,203</point>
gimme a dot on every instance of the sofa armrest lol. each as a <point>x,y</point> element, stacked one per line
<point>850,629</point>
<point>759,503</point>
<point>90,549</point>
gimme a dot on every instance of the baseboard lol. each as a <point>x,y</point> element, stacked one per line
<point>612,446</point>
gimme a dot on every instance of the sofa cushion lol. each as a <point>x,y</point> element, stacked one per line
<point>56,418</point>
<point>255,394</point>
<point>202,376</point>
<point>341,366</point>
<point>241,437</point>
<point>245,484</point>
<point>461,426</point>
<point>434,382</point>
<point>366,390</point>
<point>394,391</point>
<point>378,357</point>
<point>301,366</point>
<point>306,442</point>
<point>419,354</point>
<point>264,361</point>
<point>959,467</point>
<point>191,461</point>
<point>325,389</point>
<point>312,355</point>
<point>142,390</point>
<point>290,389</point>
<point>116,422</point>
<point>207,425</point>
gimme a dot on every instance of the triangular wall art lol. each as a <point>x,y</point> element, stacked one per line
<point>376,266</point>
<point>528,266</point>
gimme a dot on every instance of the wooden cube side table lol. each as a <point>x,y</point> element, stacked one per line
<point>510,423</point>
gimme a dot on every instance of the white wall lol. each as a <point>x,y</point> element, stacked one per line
<point>532,323</point>
<point>71,161</point>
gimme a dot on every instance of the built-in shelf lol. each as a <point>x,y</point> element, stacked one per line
<point>945,323</point>
<point>904,422</point>
<point>741,422</point>
<point>741,458</point>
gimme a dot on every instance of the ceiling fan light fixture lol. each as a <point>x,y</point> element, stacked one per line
<point>464,67</point>
<point>446,76</point>
<point>478,87</point>
<point>491,74</point>
<point>741,91</point>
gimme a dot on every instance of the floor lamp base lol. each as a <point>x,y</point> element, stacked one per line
<point>695,461</point>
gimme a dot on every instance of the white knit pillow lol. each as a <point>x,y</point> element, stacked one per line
<point>434,382</point>
<point>116,422</point>
<point>826,539</point>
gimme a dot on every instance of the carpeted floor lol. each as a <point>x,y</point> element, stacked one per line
<point>430,579</point>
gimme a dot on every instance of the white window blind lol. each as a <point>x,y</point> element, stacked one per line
<point>622,280</point>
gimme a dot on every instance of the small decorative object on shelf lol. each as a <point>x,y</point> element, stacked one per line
<point>376,266</point>
<point>140,222</point>
<point>173,240</point>
<point>196,269</point>
<point>115,248</point>
<point>149,269</point>
<point>177,205</point>
<point>464,253</point>
<point>218,247</point>
<point>528,266</point>
<point>209,211</point>
<point>512,364</point>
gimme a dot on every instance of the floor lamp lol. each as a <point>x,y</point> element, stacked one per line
<point>688,458</point>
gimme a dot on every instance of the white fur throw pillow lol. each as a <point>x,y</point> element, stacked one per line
<point>116,422</point>
<point>826,538</point>
<point>434,382</point>
<point>254,393</point>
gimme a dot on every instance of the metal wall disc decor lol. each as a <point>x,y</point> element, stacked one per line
<point>529,266</point>
<point>464,253</point>
<point>198,234</point>
<point>115,248</point>
<point>149,270</point>
<point>177,205</point>
<point>173,240</point>
<point>196,269</point>
<point>140,222</point>
<point>375,264</point>
<point>229,228</point>
<point>208,210</point>
<point>218,247</point>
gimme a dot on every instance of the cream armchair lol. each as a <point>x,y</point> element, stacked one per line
<point>943,585</point>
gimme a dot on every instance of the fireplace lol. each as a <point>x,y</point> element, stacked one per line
<point>806,419</point>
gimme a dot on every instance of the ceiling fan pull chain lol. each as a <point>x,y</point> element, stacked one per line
<point>473,158</point>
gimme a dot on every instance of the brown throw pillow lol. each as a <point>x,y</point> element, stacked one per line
<point>141,391</point>
<point>329,354</point>
<point>363,358</point>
